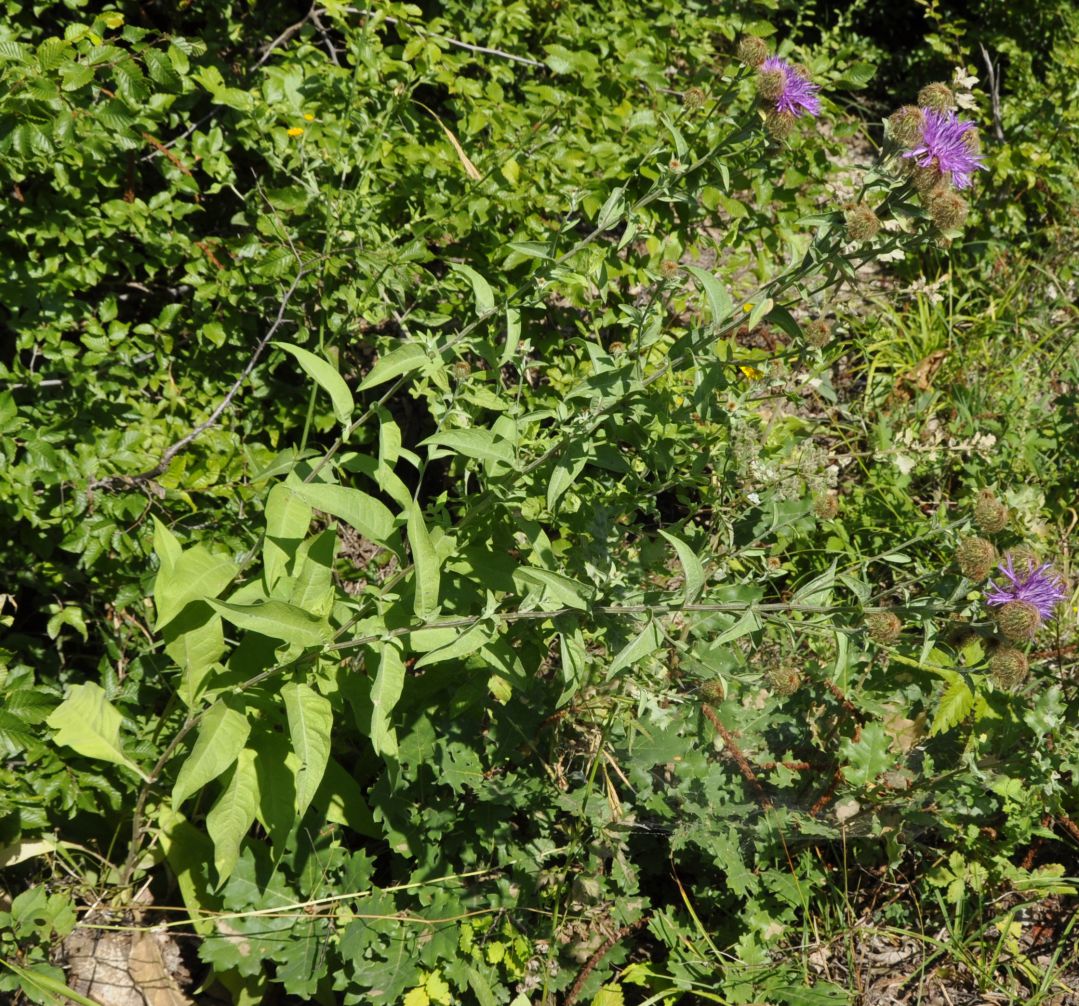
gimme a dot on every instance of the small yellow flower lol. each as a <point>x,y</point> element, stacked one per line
<point>752,373</point>
<point>296,131</point>
<point>746,308</point>
<point>308,117</point>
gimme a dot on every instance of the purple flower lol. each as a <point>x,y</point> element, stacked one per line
<point>797,94</point>
<point>1041,587</point>
<point>949,144</point>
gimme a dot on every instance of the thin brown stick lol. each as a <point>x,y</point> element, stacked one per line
<point>600,951</point>
<point>1068,825</point>
<point>171,452</point>
<point>739,758</point>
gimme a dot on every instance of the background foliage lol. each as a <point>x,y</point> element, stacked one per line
<point>437,554</point>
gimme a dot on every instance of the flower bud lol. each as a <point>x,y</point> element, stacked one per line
<point>780,125</point>
<point>461,370</point>
<point>926,179</point>
<point>785,679</point>
<point>1008,667</point>
<point>1023,558</point>
<point>1019,621</point>
<point>990,515</point>
<point>947,208</point>
<point>826,506</point>
<point>818,332</point>
<point>616,348</point>
<point>905,126</point>
<point>975,558</point>
<point>937,96</point>
<point>883,627</point>
<point>771,84</point>
<point>668,268</point>
<point>752,51</point>
<point>693,98</point>
<point>714,690</point>
<point>862,223</point>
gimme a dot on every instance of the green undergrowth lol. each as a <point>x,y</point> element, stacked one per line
<point>481,529</point>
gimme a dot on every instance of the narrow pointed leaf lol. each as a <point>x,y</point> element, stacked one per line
<point>222,736</point>
<point>326,377</point>
<point>310,720</point>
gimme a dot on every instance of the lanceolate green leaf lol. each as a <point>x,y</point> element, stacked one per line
<point>232,815</point>
<point>426,576</point>
<point>221,737</point>
<point>87,722</point>
<point>310,720</point>
<point>719,301</point>
<point>474,443</point>
<point>197,575</point>
<point>692,568</point>
<point>324,375</point>
<point>646,642</point>
<point>481,289</point>
<point>366,514</point>
<point>385,693</point>
<point>276,619</point>
<point>402,360</point>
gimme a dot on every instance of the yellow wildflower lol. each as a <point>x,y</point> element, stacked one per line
<point>308,117</point>
<point>752,373</point>
<point>296,131</point>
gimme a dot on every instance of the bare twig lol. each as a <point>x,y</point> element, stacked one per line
<point>283,38</point>
<point>486,50</point>
<point>600,951</point>
<point>994,93</point>
<point>211,420</point>
<point>739,758</point>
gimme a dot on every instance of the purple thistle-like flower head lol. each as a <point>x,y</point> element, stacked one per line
<point>1040,586</point>
<point>799,95</point>
<point>945,145</point>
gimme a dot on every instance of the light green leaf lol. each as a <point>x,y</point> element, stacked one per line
<point>475,636</point>
<point>232,815</point>
<point>758,312</point>
<point>956,702</point>
<point>167,547</point>
<point>366,514</point>
<point>385,693</point>
<point>195,640</point>
<point>197,575</point>
<point>692,568</point>
<point>222,736</point>
<point>513,335</point>
<point>564,474</point>
<point>287,519</point>
<point>563,589</point>
<point>312,588</point>
<point>87,722</point>
<point>818,591</point>
<point>646,642</point>
<point>475,443</point>
<point>426,575</point>
<point>326,377</point>
<point>402,360</point>
<point>749,622</point>
<point>481,289</point>
<point>276,619</point>
<point>310,720</point>
<point>719,301</point>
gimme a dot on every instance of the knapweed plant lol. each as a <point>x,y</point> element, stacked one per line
<point>464,573</point>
